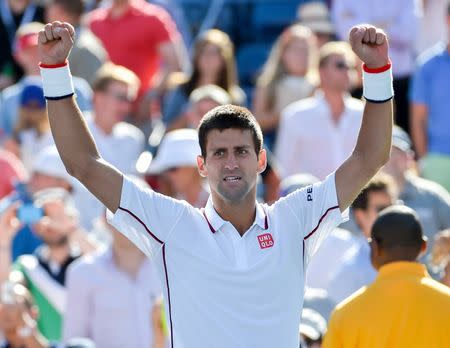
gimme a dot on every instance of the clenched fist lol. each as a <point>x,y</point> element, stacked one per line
<point>370,44</point>
<point>55,42</point>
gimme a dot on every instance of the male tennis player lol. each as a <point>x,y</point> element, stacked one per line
<point>234,272</point>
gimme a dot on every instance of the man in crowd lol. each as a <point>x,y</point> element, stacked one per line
<point>404,307</point>
<point>207,258</point>
<point>150,38</point>
<point>113,298</point>
<point>430,102</point>
<point>430,201</point>
<point>44,272</point>
<point>177,160</point>
<point>354,269</point>
<point>88,54</point>
<point>317,134</point>
<point>26,54</point>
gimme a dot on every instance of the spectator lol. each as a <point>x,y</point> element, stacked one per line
<point>315,16</point>
<point>213,63</point>
<point>201,100</point>
<point>151,37</point>
<point>317,134</point>
<point>428,199</point>
<point>13,14</point>
<point>400,20</point>
<point>44,272</point>
<point>287,76</point>
<point>31,133</point>
<point>12,170</point>
<point>177,160</point>
<point>115,88</point>
<point>430,102</point>
<point>312,328</point>
<point>113,298</point>
<point>88,53</point>
<point>404,307</point>
<point>354,269</point>
<point>26,54</point>
<point>440,256</point>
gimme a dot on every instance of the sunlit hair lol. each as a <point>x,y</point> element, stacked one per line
<point>227,78</point>
<point>336,48</point>
<point>109,73</point>
<point>274,69</point>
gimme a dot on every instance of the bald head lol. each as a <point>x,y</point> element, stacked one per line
<point>398,235</point>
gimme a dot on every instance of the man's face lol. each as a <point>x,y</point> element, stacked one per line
<point>56,226</point>
<point>113,104</point>
<point>377,201</point>
<point>335,74</point>
<point>231,164</point>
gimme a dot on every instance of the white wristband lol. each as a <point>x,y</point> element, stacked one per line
<point>57,81</point>
<point>377,84</point>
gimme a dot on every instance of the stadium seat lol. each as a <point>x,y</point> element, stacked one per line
<point>250,59</point>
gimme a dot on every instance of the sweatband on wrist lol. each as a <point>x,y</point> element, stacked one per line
<point>377,84</point>
<point>57,81</point>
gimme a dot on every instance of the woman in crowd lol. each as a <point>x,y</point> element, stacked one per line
<point>287,76</point>
<point>213,64</point>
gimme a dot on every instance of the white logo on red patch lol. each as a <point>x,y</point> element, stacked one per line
<point>265,241</point>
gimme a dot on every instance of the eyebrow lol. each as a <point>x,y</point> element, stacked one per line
<point>239,147</point>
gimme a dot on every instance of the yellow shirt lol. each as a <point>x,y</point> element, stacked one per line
<point>404,307</point>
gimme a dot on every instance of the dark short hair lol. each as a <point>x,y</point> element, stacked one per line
<point>398,227</point>
<point>379,183</point>
<point>74,7</point>
<point>226,117</point>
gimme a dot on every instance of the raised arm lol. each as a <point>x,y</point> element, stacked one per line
<point>70,132</point>
<point>374,141</point>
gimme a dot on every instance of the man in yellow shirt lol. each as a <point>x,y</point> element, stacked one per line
<point>404,307</point>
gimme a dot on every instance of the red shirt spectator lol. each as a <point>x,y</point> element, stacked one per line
<point>12,170</point>
<point>148,40</point>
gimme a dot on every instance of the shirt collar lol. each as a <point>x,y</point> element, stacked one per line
<point>215,222</point>
<point>401,268</point>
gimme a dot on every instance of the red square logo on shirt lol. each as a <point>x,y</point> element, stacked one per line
<point>265,241</point>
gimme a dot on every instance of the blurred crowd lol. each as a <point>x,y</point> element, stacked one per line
<point>145,73</point>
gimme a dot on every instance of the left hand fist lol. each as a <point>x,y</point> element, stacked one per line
<point>370,44</point>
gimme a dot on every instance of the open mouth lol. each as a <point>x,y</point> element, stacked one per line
<point>232,178</point>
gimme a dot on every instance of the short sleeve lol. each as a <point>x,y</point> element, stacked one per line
<point>318,213</point>
<point>146,217</point>
<point>163,27</point>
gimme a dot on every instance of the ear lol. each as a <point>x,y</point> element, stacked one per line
<point>262,161</point>
<point>201,166</point>
<point>359,217</point>
<point>423,247</point>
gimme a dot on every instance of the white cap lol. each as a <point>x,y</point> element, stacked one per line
<point>49,163</point>
<point>312,324</point>
<point>178,148</point>
<point>315,16</point>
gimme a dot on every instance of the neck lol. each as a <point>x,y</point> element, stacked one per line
<point>16,7</point>
<point>105,127</point>
<point>240,215</point>
<point>59,254</point>
<point>335,100</point>
<point>128,260</point>
<point>207,80</point>
<point>119,7</point>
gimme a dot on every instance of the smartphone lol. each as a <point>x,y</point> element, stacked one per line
<point>29,214</point>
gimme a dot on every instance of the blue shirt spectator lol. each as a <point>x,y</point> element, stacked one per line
<point>431,88</point>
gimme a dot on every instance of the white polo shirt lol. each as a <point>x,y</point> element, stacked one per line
<point>223,290</point>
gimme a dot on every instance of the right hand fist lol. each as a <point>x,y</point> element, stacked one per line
<point>55,42</point>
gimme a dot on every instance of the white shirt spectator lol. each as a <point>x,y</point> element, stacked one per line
<point>309,141</point>
<point>108,306</point>
<point>223,290</point>
<point>122,147</point>
<point>399,19</point>
<point>329,258</point>
<point>354,272</point>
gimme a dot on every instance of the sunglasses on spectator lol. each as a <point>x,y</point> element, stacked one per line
<point>120,96</point>
<point>341,65</point>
